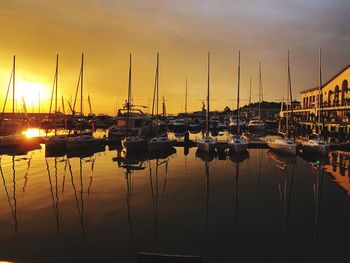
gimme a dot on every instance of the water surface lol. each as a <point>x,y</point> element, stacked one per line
<point>257,208</point>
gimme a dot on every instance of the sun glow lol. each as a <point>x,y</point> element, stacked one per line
<point>32,132</point>
<point>32,93</point>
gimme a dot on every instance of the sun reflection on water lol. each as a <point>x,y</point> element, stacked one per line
<point>32,132</point>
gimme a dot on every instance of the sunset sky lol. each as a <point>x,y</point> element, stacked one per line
<point>183,31</point>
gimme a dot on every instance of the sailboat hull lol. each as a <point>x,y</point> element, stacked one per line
<point>316,149</point>
<point>283,148</point>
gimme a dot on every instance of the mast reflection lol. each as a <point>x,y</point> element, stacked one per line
<point>206,158</point>
<point>283,163</point>
<point>154,182</point>
<point>80,205</point>
<point>130,162</point>
<point>13,206</point>
<point>54,193</point>
<point>237,159</point>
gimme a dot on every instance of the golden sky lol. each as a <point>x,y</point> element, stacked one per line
<point>183,32</point>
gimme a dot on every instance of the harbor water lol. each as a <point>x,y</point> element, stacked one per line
<point>108,206</point>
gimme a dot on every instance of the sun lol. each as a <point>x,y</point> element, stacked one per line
<point>33,94</point>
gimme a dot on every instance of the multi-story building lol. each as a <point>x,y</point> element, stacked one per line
<point>333,106</point>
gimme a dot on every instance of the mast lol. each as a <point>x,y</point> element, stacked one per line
<point>238,86</point>
<point>81,83</point>
<point>13,89</point>
<point>63,110</point>
<point>260,89</point>
<point>89,101</point>
<point>290,89</point>
<point>157,79</point>
<point>320,103</point>
<point>186,99</point>
<point>129,99</point>
<point>208,94</point>
<point>287,104</point>
<point>250,90</point>
<point>56,85</point>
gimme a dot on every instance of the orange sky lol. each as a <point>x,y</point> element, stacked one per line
<point>182,31</point>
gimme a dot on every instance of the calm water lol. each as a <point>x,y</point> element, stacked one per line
<point>265,208</point>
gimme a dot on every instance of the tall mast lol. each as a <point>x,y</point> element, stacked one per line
<point>186,99</point>
<point>238,86</point>
<point>260,88</point>
<point>81,83</point>
<point>56,85</point>
<point>287,104</point>
<point>63,110</point>
<point>13,88</point>
<point>157,79</point>
<point>208,94</point>
<point>129,99</point>
<point>90,108</point>
<point>320,103</point>
<point>250,90</point>
<point>290,89</point>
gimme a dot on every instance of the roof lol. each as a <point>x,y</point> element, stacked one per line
<point>331,79</point>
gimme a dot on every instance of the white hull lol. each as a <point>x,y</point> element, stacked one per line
<point>290,149</point>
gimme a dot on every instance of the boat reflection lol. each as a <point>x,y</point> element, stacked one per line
<point>19,149</point>
<point>86,152</point>
<point>154,182</point>
<point>12,203</point>
<point>281,160</point>
<point>54,193</point>
<point>314,158</point>
<point>317,176</point>
<point>206,158</point>
<point>131,162</point>
<point>79,201</point>
<point>285,166</point>
<point>238,158</point>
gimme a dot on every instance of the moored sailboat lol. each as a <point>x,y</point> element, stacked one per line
<point>318,145</point>
<point>132,142</point>
<point>158,142</point>
<point>257,124</point>
<point>82,140</point>
<point>207,143</point>
<point>277,143</point>
<point>236,144</point>
<point>56,141</point>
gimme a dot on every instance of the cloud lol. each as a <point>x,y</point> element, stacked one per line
<point>183,32</point>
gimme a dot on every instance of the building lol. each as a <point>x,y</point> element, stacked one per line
<point>334,106</point>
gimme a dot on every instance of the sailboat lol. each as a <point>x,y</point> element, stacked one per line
<point>56,141</point>
<point>158,142</point>
<point>207,143</point>
<point>278,143</point>
<point>83,140</point>
<point>317,145</point>
<point>132,142</point>
<point>236,144</point>
<point>258,124</point>
<point>9,142</point>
